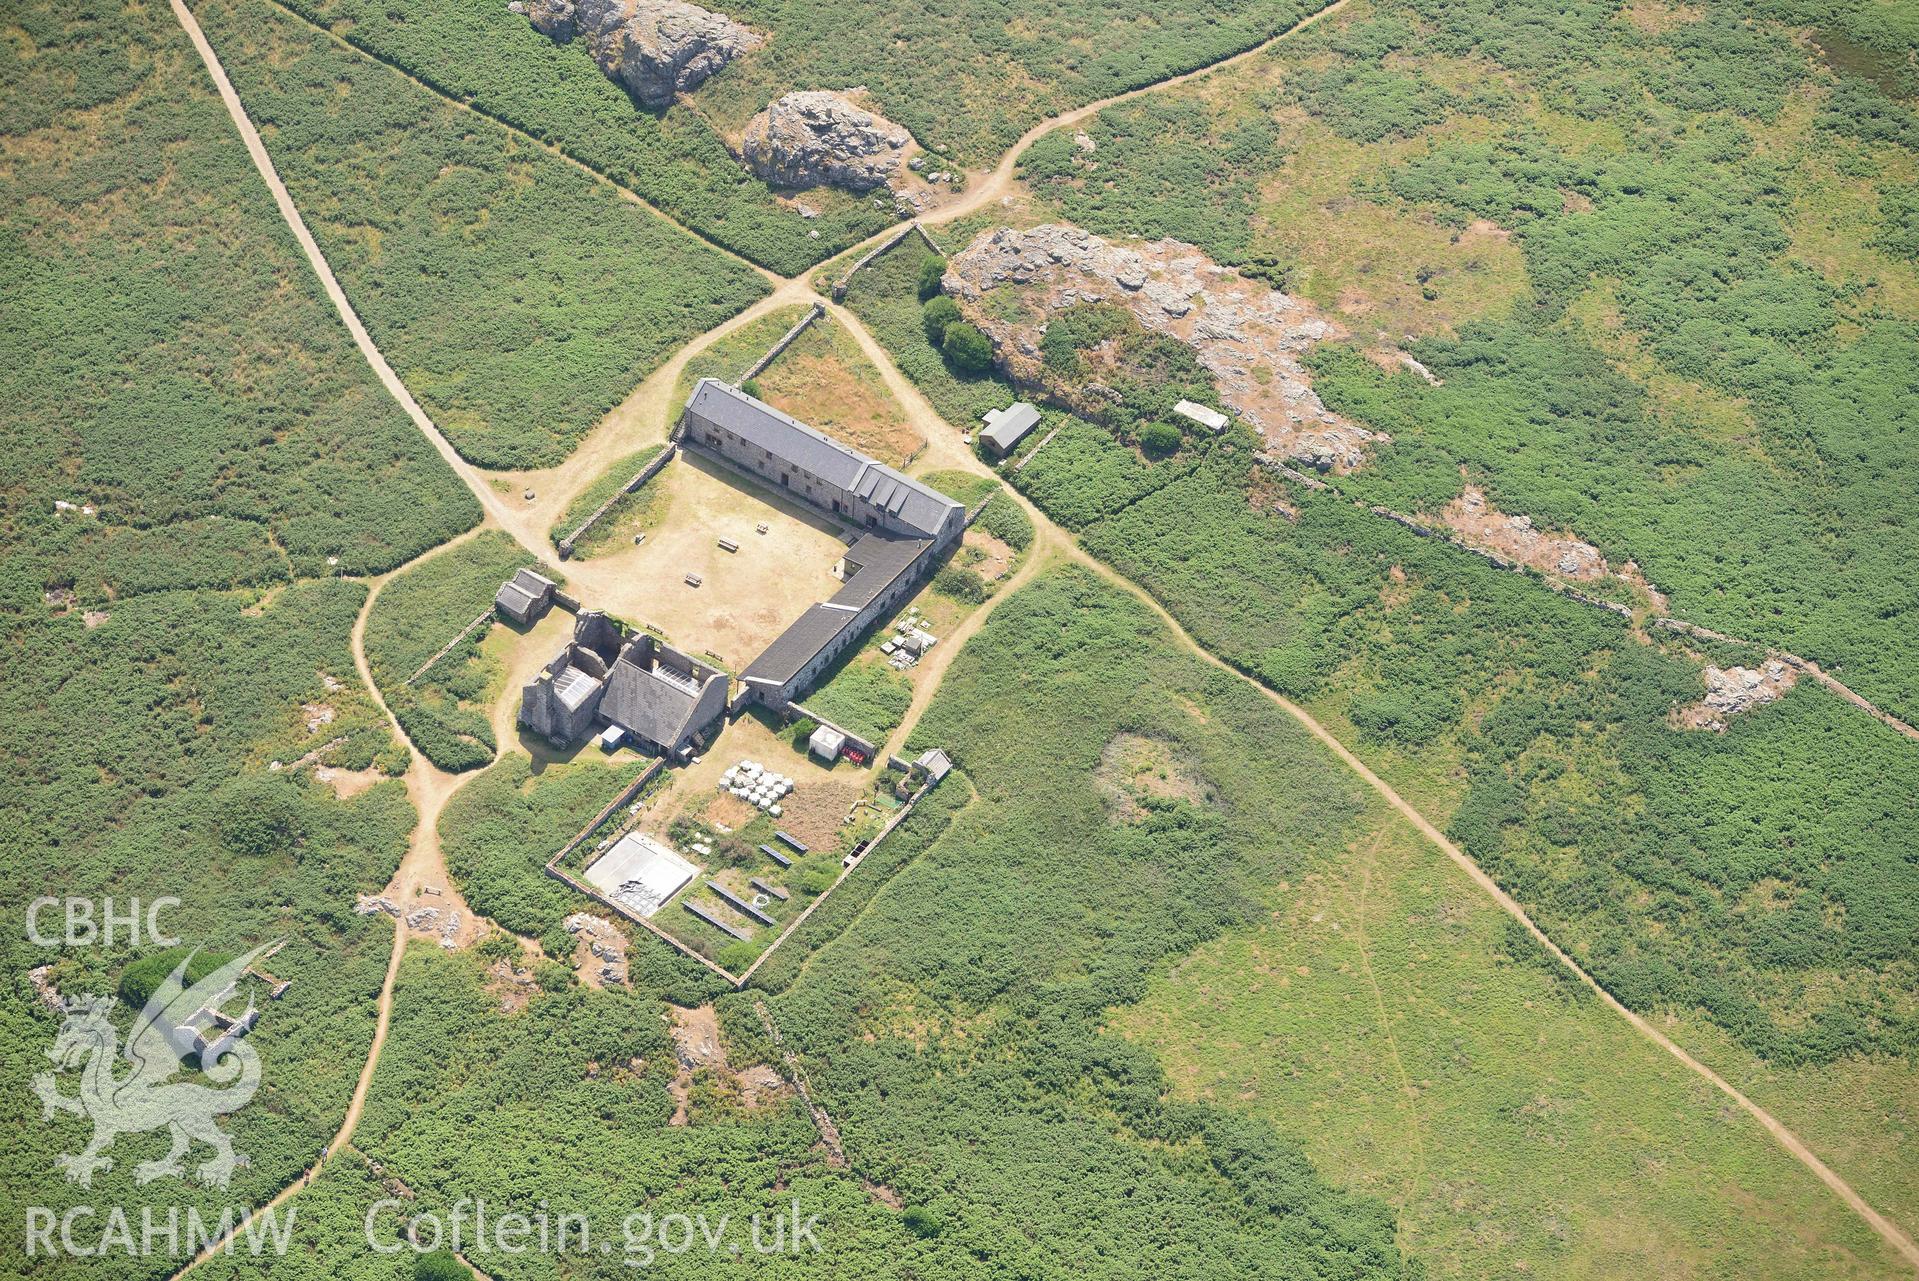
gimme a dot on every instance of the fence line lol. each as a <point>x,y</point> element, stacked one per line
<point>845,872</point>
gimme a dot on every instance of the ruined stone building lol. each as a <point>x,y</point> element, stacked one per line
<point>658,698</point>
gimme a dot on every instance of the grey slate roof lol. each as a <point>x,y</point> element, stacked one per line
<point>515,601</point>
<point>812,450</point>
<point>531,583</point>
<point>881,560</point>
<point>649,705</point>
<point>795,647</point>
<point>786,437</point>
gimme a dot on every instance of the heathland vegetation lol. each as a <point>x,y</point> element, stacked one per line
<point>956,1031</point>
<point>673,159</point>
<point>972,85</point>
<point>174,374</point>
<point>519,297</point>
<point>1703,357</point>
<point>171,369</point>
<point>1678,866</point>
<point>445,712</point>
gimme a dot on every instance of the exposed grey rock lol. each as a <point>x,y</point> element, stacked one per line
<point>814,138</point>
<point>655,48</point>
<point>551,18</point>
<point>1248,336</point>
<point>1733,690</point>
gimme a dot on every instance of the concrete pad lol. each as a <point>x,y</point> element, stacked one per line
<point>640,872</point>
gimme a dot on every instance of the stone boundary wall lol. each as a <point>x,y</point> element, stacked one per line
<point>846,871</point>
<point>627,793</point>
<point>450,645</point>
<point>791,336</point>
<point>737,981</point>
<point>645,474</point>
<point>857,741</point>
<point>883,248</point>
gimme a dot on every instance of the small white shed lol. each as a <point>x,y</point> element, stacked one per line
<point>1209,418</point>
<point>826,743</point>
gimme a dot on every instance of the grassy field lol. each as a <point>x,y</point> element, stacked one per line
<point>825,380</point>
<point>734,354</point>
<point>673,159</point>
<point>446,713</point>
<point>518,297</point>
<point>1172,859</point>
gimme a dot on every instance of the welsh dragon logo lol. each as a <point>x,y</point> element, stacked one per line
<point>177,1023</point>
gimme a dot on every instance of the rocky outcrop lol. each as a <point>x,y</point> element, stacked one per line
<point>1249,337</point>
<point>1732,690</point>
<point>815,139</point>
<point>1481,524</point>
<point>655,48</point>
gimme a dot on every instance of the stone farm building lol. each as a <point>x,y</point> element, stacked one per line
<point>525,597</point>
<point>660,698</point>
<point>903,528</point>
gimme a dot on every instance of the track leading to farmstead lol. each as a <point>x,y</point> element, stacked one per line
<point>527,527</point>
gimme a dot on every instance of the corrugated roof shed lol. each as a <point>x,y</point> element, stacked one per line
<point>1006,427</point>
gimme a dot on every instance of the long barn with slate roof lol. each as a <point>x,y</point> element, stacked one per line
<point>906,527</point>
<point>809,464</point>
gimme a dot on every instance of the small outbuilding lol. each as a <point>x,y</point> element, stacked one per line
<point>1209,418</point>
<point>1005,428</point>
<point>936,763</point>
<point>826,743</point>
<point>525,597</point>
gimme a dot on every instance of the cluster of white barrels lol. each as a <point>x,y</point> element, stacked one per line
<point>757,786</point>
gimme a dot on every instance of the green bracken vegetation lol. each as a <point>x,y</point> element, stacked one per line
<point>171,363</point>
<point>518,297</point>
<point>499,831</point>
<point>1693,383</point>
<point>674,159</point>
<point>444,712</point>
<point>971,84</point>
<point>867,698</point>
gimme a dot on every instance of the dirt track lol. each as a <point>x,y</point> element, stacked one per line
<point>649,405</point>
